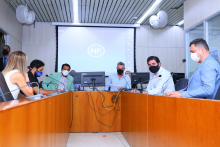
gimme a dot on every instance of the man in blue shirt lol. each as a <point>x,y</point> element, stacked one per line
<point>205,81</point>
<point>119,79</point>
<point>3,60</point>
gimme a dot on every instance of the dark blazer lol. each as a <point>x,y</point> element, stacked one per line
<point>1,64</point>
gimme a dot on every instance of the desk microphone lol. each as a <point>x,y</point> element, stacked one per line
<point>57,81</point>
<point>147,81</point>
<point>162,90</point>
<point>127,84</point>
<point>19,88</point>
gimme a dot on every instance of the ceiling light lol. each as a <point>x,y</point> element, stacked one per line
<point>75,10</point>
<point>180,23</point>
<point>156,3</point>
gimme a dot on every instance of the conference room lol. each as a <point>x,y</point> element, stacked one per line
<point>109,73</point>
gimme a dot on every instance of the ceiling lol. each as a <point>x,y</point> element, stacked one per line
<point>100,11</point>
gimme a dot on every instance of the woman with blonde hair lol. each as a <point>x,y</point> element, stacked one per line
<point>15,75</point>
<point>128,73</point>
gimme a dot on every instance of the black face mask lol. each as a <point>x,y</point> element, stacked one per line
<point>120,71</point>
<point>5,52</point>
<point>154,69</point>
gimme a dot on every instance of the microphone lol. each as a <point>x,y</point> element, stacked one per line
<point>162,90</point>
<point>147,81</point>
<point>19,89</point>
<point>57,81</point>
<point>127,84</point>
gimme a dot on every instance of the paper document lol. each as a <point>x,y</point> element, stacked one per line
<point>116,86</point>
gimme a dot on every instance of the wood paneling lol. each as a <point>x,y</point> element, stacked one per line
<point>134,118</point>
<point>157,121</point>
<point>44,122</point>
<point>84,116</point>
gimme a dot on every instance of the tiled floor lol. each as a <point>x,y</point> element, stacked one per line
<point>110,139</point>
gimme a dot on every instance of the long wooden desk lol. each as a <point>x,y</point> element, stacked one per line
<point>158,121</point>
<point>144,120</point>
<point>39,123</point>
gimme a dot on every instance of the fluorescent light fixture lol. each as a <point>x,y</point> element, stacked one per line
<point>75,10</point>
<point>156,3</point>
<point>180,23</point>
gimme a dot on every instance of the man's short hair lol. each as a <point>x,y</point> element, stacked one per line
<point>200,43</point>
<point>120,63</point>
<point>8,47</point>
<point>153,58</point>
<point>66,65</point>
<point>36,63</point>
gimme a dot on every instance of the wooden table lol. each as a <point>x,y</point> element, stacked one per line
<point>38,123</point>
<point>144,120</point>
<point>158,121</point>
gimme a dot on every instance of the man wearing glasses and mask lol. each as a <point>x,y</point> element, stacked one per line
<point>3,60</point>
<point>119,78</point>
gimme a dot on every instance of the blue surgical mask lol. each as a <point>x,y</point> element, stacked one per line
<point>38,73</point>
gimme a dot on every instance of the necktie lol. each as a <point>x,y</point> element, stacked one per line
<point>4,62</point>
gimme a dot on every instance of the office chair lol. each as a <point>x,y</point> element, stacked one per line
<point>4,89</point>
<point>217,96</point>
<point>181,83</point>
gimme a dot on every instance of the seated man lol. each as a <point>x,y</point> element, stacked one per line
<point>205,81</point>
<point>158,84</point>
<point>62,79</point>
<point>36,70</point>
<point>119,78</point>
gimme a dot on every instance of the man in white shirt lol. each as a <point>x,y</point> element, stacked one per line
<point>156,83</point>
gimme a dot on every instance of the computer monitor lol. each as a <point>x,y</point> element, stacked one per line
<point>92,79</point>
<point>76,76</point>
<point>177,76</point>
<point>140,78</point>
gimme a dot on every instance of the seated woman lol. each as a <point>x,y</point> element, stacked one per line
<point>15,75</point>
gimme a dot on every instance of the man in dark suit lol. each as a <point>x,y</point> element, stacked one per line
<point>3,60</point>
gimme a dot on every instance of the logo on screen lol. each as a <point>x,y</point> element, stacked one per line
<point>96,50</point>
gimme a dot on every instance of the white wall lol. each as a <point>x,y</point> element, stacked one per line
<point>40,43</point>
<point>167,44</point>
<point>11,26</point>
<point>196,11</point>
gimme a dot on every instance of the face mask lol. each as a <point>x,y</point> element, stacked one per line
<point>120,71</point>
<point>195,58</point>
<point>65,72</point>
<point>5,52</point>
<point>154,69</point>
<point>38,73</point>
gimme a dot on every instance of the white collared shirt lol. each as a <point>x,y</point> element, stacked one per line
<point>63,82</point>
<point>155,85</point>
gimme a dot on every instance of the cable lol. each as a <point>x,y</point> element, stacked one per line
<point>100,112</point>
<point>97,100</point>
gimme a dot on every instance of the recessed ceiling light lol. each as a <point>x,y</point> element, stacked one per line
<point>155,4</point>
<point>180,23</point>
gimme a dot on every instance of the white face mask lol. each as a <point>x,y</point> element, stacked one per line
<point>65,72</point>
<point>194,57</point>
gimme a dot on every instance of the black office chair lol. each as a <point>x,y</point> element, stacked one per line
<point>4,89</point>
<point>181,84</point>
<point>217,96</point>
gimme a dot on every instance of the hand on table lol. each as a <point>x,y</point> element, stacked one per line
<point>60,90</point>
<point>173,94</point>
